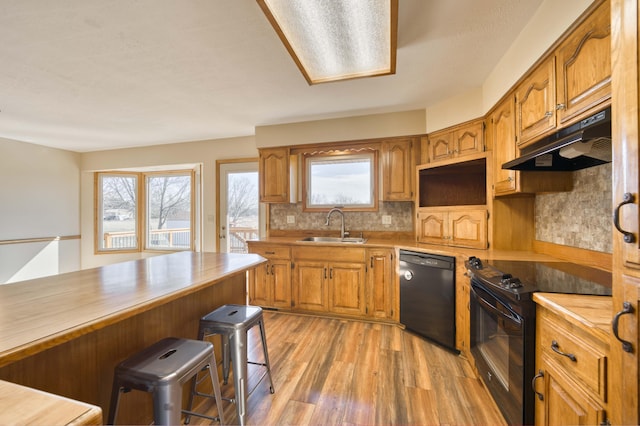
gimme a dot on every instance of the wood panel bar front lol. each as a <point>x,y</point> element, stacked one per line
<point>117,313</point>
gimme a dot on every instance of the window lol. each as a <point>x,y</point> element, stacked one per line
<point>162,208</point>
<point>348,180</point>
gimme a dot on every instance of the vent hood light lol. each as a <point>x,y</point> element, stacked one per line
<point>333,40</point>
<point>576,149</point>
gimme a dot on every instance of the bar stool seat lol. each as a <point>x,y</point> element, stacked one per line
<point>233,322</point>
<point>162,369</point>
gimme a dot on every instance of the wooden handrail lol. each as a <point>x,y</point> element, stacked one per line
<point>39,239</point>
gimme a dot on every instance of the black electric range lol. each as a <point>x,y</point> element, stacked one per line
<point>519,279</point>
<point>502,322</point>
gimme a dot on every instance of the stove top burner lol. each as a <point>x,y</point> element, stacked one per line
<point>518,279</point>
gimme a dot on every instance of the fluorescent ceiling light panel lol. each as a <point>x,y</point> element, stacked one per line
<point>333,40</point>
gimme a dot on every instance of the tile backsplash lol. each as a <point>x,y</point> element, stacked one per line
<point>399,212</point>
<point>579,218</point>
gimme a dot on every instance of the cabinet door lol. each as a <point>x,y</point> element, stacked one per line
<point>468,228</point>
<point>398,169</point>
<point>536,103</point>
<point>441,146</point>
<point>381,285</point>
<point>310,288</point>
<point>625,366</point>
<point>469,139</point>
<point>566,405</point>
<point>280,274</point>
<point>584,66</point>
<point>502,130</point>
<point>274,175</point>
<point>346,288</point>
<point>432,227</point>
<point>259,288</point>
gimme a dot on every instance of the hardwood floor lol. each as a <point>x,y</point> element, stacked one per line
<point>340,372</point>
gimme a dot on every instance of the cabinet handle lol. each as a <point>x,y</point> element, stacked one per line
<point>371,262</point>
<point>269,252</point>
<point>266,269</point>
<point>626,309</point>
<point>272,269</point>
<point>330,273</point>
<point>627,198</point>
<point>548,114</point>
<point>556,348</point>
<point>560,106</point>
<point>325,273</point>
<point>533,384</point>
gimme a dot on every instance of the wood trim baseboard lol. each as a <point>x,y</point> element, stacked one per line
<point>39,239</point>
<point>593,258</point>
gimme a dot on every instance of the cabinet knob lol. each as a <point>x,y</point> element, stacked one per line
<point>560,106</point>
<point>548,114</point>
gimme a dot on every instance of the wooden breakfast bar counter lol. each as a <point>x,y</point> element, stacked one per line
<point>65,334</point>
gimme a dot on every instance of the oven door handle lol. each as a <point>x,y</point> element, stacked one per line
<point>512,316</point>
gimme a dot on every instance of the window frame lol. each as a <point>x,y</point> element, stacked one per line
<point>306,182</point>
<point>141,210</point>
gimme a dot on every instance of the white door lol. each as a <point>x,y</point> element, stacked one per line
<point>240,213</point>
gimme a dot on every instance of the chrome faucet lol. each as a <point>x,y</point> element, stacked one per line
<point>337,209</point>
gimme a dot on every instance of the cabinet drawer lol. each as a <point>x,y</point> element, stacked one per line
<point>330,253</point>
<point>586,360</point>
<point>272,252</point>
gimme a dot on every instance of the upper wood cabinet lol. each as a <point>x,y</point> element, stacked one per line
<point>457,141</point>
<point>572,82</point>
<point>583,67</point>
<point>536,103</point>
<point>501,130</point>
<point>501,134</point>
<point>274,175</point>
<point>459,226</point>
<point>398,168</point>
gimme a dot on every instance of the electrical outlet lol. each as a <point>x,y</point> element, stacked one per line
<point>291,219</point>
<point>386,219</point>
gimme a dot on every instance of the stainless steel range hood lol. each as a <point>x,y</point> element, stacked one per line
<point>581,145</point>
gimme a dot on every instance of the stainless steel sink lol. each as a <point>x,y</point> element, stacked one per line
<point>333,240</point>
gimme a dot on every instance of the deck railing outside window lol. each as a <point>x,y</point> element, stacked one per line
<point>179,238</point>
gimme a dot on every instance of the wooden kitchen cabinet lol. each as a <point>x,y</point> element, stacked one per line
<point>270,284</point>
<point>398,166</point>
<point>583,67</point>
<point>460,227</point>
<point>572,366</point>
<point>502,135</point>
<point>457,141</point>
<point>536,103</point>
<point>573,82</point>
<point>273,172</point>
<point>382,289</point>
<point>329,279</point>
<point>625,364</point>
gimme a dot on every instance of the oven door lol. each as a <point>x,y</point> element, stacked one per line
<point>497,345</point>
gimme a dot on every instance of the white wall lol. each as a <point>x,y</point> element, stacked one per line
<point>202,152</point>
<point>40,198</point>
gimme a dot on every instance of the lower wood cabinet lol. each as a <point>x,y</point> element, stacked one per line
<point>453,226</point>
<point>342,280</point>
<point>382,289</point>
<point>571,363</point>
<point>322,283</point>
<point>270,285</point>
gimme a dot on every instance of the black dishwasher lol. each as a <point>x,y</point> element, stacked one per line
<point>428,296</point>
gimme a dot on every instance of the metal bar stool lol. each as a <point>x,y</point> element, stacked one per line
<point>233,322</point>
<point>162,369</point>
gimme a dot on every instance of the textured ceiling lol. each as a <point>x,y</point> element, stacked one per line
<point>88,75</point>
